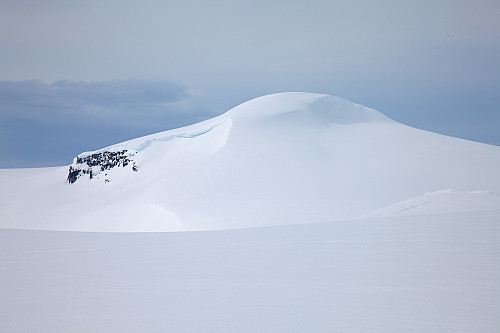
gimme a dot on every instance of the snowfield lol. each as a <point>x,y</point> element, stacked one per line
<point>299,213</point>
<point>392,274</point>
<point>280,159</point>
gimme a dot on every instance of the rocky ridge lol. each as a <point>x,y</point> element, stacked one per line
<point>93,165</point>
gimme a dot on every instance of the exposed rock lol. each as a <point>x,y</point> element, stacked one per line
<point>93,164</point>
<point>73,175</point>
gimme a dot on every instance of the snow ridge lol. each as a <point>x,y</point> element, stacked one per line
<point>288,158</point>
<point>319,108</point>
<point>147,143</point>
<point>442,202</point>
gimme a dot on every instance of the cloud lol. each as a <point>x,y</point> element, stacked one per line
<point>120,99</point>
<point>48,123</point>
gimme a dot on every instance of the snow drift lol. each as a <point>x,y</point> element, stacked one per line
<point>286,158</point>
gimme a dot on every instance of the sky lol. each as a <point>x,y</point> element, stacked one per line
<point>81,75</point>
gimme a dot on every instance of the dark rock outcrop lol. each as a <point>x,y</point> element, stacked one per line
<point>93,164</point>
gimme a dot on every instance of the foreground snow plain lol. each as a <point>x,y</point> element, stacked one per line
<point>389,274</point>
<point>352,222</point>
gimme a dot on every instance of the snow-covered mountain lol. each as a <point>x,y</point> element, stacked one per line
<point>288,158</point>
<point>411,240</point>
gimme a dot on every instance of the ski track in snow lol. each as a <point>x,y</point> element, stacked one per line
<point>193,245</point>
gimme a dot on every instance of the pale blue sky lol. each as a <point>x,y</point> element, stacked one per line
<point>81,75</point>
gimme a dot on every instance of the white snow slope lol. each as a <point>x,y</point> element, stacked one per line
<point>280,159</point>
<point>410,240</point>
